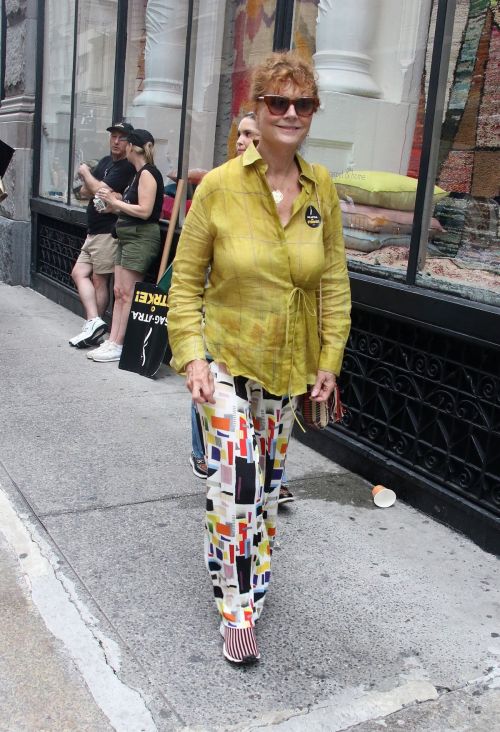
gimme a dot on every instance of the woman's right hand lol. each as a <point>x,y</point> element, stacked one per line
<point>200,381</point>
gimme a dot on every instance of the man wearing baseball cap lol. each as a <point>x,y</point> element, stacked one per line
<point>123,127</point>
<point>96,261</point>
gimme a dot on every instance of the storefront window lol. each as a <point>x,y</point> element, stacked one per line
<point>95,62</point>
<point>228,38</point>
<point>248,39</point>
<point>56,99</point>
<point>373,62</point>
<point>464,257</point>
<point>155,74</point>
<point>369,58</point>
<point>156,39</point>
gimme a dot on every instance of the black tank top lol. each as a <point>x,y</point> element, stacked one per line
<point>131,195</point>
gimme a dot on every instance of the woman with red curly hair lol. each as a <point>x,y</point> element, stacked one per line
<point>269,226</point>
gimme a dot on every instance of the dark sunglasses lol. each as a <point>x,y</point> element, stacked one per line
<point>278,105</point>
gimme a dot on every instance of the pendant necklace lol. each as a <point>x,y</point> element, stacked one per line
<point>278,194</point>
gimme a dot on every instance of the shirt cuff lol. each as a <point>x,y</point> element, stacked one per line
<point>190,350</point>
<point>331,360</point>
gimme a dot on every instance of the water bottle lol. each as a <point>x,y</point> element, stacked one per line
<point>99,204</point>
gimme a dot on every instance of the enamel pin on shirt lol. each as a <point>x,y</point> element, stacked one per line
<point>313,219</point>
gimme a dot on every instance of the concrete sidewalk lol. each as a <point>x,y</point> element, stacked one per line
<point>376,618</point>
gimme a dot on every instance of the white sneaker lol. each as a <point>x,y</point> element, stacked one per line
<point>103,347</point>
<point>92,331</point>
<point>111,353</point>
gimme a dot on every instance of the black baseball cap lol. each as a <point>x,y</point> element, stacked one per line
<point>120,127</point>
<point>140,137</point>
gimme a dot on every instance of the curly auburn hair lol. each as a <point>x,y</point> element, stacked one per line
<point>281,68</point>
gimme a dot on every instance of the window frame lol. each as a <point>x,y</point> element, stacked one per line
<point>118,81</point>
<point>283,25</point>
<point>37,122</point>
<point>431,136</point>
<point>3,41</point>
<point>120,58</point>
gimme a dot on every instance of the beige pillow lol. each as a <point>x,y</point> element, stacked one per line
<point>364,241</point>
<point>386,220</point>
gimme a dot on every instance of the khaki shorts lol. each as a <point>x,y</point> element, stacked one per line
<point>99,250</point>
<point>138,246</point>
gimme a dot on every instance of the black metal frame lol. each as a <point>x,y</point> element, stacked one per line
<point>187,83</point>
<point>441,45</point>
<point>73,101</point>
<point>283,25</point>
<point>37,120</point>
<point>3,50</point>
<point>120,59</point>
<point>37,129</point>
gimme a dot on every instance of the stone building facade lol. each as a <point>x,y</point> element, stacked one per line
<point>17,112</point>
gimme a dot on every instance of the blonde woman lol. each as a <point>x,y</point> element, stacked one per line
<point>269,226</point>
<point>138,234</point>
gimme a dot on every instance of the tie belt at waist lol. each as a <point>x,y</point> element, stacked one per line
<point>299,296</point>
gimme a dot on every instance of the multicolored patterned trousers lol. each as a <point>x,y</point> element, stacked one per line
<point>246,437</point>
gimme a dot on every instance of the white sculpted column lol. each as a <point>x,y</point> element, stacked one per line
<point>344,35</point>
<point>158,107</point>
<point>207,75</point>
<point>363,124</point>
<point>166,22</point>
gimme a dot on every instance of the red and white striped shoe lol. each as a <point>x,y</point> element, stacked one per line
<point>240,645</point>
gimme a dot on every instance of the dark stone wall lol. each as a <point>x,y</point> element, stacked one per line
<point>16,129</point>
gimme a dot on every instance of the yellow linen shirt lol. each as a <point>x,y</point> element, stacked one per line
<point>261,304</point>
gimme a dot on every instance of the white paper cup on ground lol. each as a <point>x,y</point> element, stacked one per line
<point>383,497</point>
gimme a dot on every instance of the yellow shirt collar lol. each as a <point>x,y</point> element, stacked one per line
<point>252,156</point>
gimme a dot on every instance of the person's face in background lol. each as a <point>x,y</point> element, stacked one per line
<point>117,145</point>
<point>247,132</point>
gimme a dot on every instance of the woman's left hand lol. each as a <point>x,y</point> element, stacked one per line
<point>323,387</point>
<point>110,198</point>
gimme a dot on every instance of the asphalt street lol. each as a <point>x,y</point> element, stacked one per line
<point>376,618</point>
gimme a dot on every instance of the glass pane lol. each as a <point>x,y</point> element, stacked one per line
<point>369,58</point>
<point>229,38</point>
<point>248,39</point>
<point>95,62</point>
<point>464,258</point>
<point>206,83</point>
<point>56,99</point>
<point>156,41</point>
